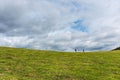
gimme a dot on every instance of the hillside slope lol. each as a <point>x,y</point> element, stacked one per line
<point>25,64</point>
<point>118,48</point>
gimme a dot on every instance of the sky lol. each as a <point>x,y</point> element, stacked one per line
<point>61,25</point>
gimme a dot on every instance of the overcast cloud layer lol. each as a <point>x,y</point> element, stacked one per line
<point>60,24</point>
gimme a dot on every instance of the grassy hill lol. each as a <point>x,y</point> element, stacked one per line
<point>25,64</point>
<point>118,48</point>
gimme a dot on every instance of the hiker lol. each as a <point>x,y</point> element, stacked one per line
<point>75,50</point>
<point>83,50</point>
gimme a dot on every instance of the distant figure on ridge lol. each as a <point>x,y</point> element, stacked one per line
<point>75,50</point>
<point>83,50</point>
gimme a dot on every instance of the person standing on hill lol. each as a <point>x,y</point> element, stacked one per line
<point>75,50</point>
<point>83,50</point>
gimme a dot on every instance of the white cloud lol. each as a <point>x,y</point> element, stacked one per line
<point>46,24</point>
<point>15,41</point>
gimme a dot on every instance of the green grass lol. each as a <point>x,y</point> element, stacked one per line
<point>25,64</point>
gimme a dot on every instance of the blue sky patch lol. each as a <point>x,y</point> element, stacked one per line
<point>79,26</point>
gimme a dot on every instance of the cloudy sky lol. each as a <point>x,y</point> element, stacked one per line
<point>61,25</point>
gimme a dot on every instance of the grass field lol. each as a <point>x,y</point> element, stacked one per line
<point>25,64</point>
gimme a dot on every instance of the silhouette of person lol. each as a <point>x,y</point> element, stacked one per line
<point>83,50</point>
<point>75,50</point>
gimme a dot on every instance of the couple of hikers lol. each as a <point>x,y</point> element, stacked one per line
<point>76,50</point>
